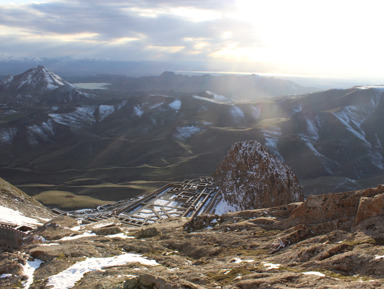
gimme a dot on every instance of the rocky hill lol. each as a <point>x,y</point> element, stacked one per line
<point>250,177</point>
<point>327,241</point>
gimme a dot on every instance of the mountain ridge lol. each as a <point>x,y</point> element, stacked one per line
<point>110,141</point>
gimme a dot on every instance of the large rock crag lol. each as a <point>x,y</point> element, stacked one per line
<point>250,177</point>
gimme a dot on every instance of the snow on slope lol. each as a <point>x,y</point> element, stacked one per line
<point>353,116</point>
<point>7,135</point>
<point>44,131</point>
<point>105,111</point>
<point>82,115</point>
<point>271,137</point>
<point>176,104</point>
<point>41,75</point>
<point>185,132</point>
<point>217,98</point>
<point>237,113</point>
<point>13,217</point>
<point>69,277</point>
<point>29,269</point>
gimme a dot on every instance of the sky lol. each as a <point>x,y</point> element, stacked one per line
<point>333,38</point>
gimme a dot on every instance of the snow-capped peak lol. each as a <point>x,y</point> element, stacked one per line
<point>40,77</point>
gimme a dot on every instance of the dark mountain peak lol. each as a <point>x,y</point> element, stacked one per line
<point>168,74</point>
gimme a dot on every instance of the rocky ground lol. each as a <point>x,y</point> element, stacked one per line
<point>328,241</point>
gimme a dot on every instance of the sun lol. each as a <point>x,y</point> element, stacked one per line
<point>324,37</point>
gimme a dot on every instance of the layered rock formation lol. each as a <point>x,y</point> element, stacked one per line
<point>250,177</point>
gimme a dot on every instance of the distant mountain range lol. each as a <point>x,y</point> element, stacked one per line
<point>116,143</point>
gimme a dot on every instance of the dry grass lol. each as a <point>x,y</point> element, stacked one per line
<point>67,200</point>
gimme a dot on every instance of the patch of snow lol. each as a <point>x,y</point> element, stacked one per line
<point>13,217</point>
<point>26,80</point>
<point>224,207</point>
<point>176,104</point>
<point>50,244</point>
<point>138,110</point>
<point>377,158</point>
<point>7,80</point>
<point>77,228</point>
<point>3,276</point>
<point>312,129</point>
<point>185,132</point>
<point>120,236</point>
<point>379,257</point>
<point>310,145</point>
<point>297,109</point>
<point>83,115</point>
<point>156,105</point>
<point>256,112</point>
<point>105,110</point>
<point>237,113</point>
<point>122,104</point>
<point>314,273</point>
<point>238,261</point>
<point>217,96</point>
<point>69,277</point>
<point>29,269</point>
<point>349,118</point>
<point>205,98</point>
<point>82,211</point>
<point>43,131</point>
<point>271,139</point>
<point>7,135</point>
<point>378,142</point>
<point>353,116</point>
<point>160,202</point>
<point>85,235</point>
<point>271,266</point>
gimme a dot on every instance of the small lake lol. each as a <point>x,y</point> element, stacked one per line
<point>92,85</point>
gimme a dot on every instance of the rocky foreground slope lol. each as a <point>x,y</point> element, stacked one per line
<point>327,241</point>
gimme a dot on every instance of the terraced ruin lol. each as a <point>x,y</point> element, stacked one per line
<point>189,198</point>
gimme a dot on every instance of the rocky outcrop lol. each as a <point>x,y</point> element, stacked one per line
<point>250,177</point>
<point>343,211</point>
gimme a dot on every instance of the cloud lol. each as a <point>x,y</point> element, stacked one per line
<point>129,30</point>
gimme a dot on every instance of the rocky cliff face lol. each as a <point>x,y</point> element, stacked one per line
<point>250,177</point>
